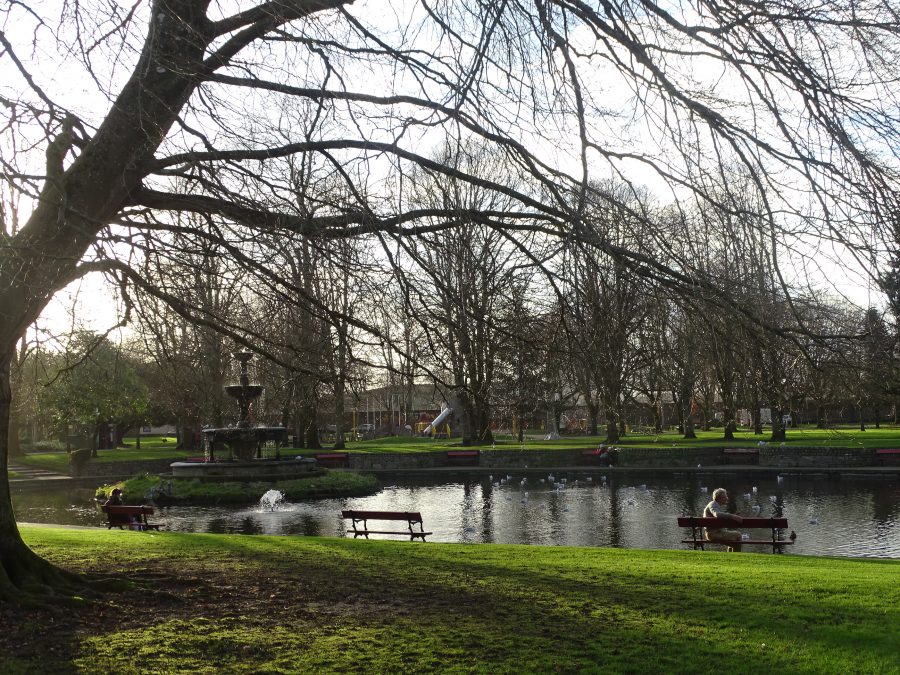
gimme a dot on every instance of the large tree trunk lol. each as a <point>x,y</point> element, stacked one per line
<point>24,576</point>
<point>593,414</point>
<point>612,426</point>
<point>778,431</point>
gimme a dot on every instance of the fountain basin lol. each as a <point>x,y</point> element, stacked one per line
<point>246,470</point>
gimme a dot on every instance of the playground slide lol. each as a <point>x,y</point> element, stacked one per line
<point>445,413</point>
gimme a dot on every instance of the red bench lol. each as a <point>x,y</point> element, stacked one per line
<point>741,455</point>
<point>774,524</point>
<point>884,455</point>
<point>128,517</point>
<point>360,520</point>
<point>463,457</point>
<point>333,460</point>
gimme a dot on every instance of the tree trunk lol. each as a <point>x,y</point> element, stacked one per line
<point>24,576</point>
<point>612,426</point>
<point>593,414</point>
<point>756,414</point>
<point>779,435</point>
<point>821,417</point>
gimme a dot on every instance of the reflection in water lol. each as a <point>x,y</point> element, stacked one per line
<point>848,516</point>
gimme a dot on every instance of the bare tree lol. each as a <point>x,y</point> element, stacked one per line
<point>182,96</point>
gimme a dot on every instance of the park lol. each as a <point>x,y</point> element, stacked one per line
<point>449,337</point>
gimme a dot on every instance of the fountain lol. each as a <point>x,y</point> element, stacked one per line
<point>271,499</point>
<point>243,441</point>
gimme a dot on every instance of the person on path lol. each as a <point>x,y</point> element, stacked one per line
<point>722,535</point>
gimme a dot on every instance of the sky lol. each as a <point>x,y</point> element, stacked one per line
<point>95,307</point>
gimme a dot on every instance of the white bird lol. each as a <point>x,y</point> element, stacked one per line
<point>754,489</point>
<point>748,496</point>
<point>698,466</point>
<point>773,498</point>
<point>780,479</point>
<point>755,508</point>
<point>704,490</point>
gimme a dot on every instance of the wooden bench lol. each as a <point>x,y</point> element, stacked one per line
<point>411,518</point>
<point>333,460</point>
<point>130,517</point>
<point>463,457</point>
<point>885,455</point>
<point>773,524</point>
<point>741,455</point>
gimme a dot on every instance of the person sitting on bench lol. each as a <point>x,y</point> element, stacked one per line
<point>716,509</point>
<point>114,499</point>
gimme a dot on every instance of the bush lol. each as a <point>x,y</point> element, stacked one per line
<point>48,446</point>
<point>77,460</point>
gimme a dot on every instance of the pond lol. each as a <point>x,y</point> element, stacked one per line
<point>845,516</point>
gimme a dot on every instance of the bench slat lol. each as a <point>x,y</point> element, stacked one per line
<point>719,523</point>
<point>412,516</point>
<point>759,542</point>
<point>406,533</point>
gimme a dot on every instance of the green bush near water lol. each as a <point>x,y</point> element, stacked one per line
<point>318,605</point>
<point>334,483</point>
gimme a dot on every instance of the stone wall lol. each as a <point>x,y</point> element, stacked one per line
<point>114,469</point>
<point>815,456</point>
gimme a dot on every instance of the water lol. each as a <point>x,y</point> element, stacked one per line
<point>846,516</point>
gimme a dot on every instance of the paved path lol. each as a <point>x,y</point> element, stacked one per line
<point>31,473</point>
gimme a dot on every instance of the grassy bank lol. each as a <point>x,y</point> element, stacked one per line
<point>220,603</point>
<point>137,490</point>
<point>850,437</point>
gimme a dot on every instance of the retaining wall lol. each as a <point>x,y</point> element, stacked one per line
<point>820,457</point>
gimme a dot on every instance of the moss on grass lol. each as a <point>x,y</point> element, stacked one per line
<point>333,483</point>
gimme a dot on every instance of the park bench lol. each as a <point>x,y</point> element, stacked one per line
<point>885,455</point>
<point>773,524</point>
<point>361,527</point>
<point>131,517</point>
<point>463,457</point>
<point>741,455</point>
<point>333,460</point>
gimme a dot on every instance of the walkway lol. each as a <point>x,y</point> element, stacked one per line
<point>30,473</point>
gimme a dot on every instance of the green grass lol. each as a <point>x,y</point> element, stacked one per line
<point>847,436</point>
<point>13,474</point>
<point>243,604</point>
<point>155,448</point>
<point>152,448</point>
<point>334,483</point>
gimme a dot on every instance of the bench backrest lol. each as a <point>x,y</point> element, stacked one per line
<point>746,523</point>
<point>409,516</point>
<point>121,510</point>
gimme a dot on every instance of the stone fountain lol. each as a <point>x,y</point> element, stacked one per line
<point>243,441</point>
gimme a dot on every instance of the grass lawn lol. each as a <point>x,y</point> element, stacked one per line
<point>849,436</point>
<point>335,483</point>
<point>152,447</point>
<point>251,604</point>
<point>164,447</point>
